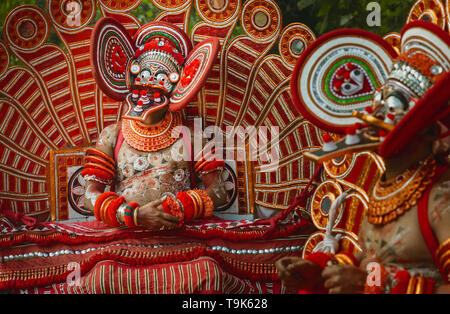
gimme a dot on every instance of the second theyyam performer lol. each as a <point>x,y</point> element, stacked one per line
<point>405,235</point>
<point>142,170</point>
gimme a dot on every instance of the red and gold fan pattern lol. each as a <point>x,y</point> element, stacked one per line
<point>51,106</point>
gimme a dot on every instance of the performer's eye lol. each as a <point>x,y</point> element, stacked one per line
<point>396,102</point>
<point>145,75</point>
<point>162,78</point>
<point>395,105</point>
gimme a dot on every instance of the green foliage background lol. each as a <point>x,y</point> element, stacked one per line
<point>323,16</point>
<point>320,15</point>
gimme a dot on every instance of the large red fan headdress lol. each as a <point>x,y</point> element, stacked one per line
<point>157,67</point>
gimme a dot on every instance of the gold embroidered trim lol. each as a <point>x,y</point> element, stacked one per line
<point>154,137</point>
<point>390,199</point>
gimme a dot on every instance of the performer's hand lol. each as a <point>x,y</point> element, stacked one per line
<point>152,217</point>
<point>298,274</point>
<point>344,279</point>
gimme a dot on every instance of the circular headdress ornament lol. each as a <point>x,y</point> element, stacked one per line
<point>194,74</point>
<point>111,50</point>
<point>338,74</point>
<point>428,10</point>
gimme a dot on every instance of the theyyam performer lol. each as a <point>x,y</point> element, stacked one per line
<point>142,170</point>
<point>405,234</point>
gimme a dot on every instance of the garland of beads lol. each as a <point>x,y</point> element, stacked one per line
<point>152,138</point>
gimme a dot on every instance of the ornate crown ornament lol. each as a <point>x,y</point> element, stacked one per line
<point>155,68</point>
<point>413,79</point>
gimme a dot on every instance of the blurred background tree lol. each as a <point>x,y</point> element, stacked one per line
<point>323,16</point>
<point>320,15</point>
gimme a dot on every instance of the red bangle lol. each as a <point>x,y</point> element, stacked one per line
<point>170,206</point>
<point>128,216</point>
<point>198,203</point>
<point>130,220</point>
<point>100,161</point>
<point>99,201</point>
<point>99,153</point>
<point>200,165</point>
<point>208,205</point>
<point>112,210</point>
<point>346,258</point>
<point>401,280</point>
<point>98,173</point>
<point>213,165</point>
<point>103,215</point>
<point>204,156</point>
<point>429,286</point>
<point>188,205</point>
<point>133,205</point>
<point>166,204</point>
<point>91,165</point>
<point>320,258</point>
<point>407,284</point>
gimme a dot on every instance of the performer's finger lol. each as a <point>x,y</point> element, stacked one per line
<point>332,282</point>
<point>331,271</point>
<point>157,202</point>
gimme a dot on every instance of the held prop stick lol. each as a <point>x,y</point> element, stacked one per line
<point>373,121</point>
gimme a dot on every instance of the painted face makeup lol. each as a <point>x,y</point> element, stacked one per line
<point>152,77</point>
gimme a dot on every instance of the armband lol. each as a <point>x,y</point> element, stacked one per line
<point>98,167</point>
<point>443,256</point>
<point>401,283</point>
